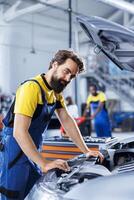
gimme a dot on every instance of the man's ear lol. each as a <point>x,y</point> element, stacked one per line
<point>55,65</point>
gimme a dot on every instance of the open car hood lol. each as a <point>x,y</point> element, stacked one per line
<point>114,40</point>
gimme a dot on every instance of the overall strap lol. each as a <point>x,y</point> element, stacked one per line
<point>13,162</point>
<point>42,91</point>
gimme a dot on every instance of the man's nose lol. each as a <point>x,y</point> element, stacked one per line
<point>68,78</point>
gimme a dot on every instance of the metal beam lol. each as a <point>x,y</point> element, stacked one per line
<point>14,11</point>
<point>126,19</point>
<point>131,22</point>
<point>70,22</point>
<point>115,16</point>
<point>120,4</point>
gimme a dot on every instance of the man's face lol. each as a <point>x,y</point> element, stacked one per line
<point>63,74</point>
<point>92,90</point>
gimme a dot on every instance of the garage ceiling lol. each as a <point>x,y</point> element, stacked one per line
<point>87,7</point>
<point>52,15</point>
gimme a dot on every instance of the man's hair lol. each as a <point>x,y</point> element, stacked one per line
<point>62,55</point>
<point>93,85</point>
<point>70,101</point>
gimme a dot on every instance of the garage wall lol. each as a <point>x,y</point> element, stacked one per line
<point>5,54</point>
<point>17,61</point>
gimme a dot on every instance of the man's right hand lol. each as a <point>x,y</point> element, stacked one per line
<point>61,164</point>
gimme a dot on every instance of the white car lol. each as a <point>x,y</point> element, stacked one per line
<point>87,179</point>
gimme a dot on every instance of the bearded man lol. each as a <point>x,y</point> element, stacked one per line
<point>28,117</point>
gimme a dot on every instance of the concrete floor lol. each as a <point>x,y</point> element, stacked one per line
<point>120,134</point>
<point>56,132</point>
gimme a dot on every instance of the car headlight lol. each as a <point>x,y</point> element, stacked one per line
<point>40,192</point>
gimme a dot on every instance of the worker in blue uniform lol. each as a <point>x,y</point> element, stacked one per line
<point>28,117</point>
<point>96,102</point>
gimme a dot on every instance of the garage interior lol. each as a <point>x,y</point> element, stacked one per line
<point>31,32</point>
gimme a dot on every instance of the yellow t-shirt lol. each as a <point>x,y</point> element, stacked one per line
<point>100,97</point>
<point>28,97</point>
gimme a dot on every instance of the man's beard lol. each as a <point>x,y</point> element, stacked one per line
<point>58,85</point>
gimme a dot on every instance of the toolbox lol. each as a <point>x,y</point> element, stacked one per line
<point>63,148</point>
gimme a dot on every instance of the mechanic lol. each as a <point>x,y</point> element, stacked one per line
<point>96,101</point>
<point>28,117</point>
<point>72,107</point>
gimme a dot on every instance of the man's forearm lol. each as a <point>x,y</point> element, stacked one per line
<point>73,131</point>
<point>97,111</point>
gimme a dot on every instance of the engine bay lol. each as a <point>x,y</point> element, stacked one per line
<point>118,158</point>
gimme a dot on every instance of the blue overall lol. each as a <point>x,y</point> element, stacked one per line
<point>101,121</point>
<point>17,173</point>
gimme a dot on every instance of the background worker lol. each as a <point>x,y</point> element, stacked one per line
<point>71,107</point>
<point>72,110</point>
<point>96,102</point>
<point>28,117</point>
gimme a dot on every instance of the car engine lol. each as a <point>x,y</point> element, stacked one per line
<point>56,184</point>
